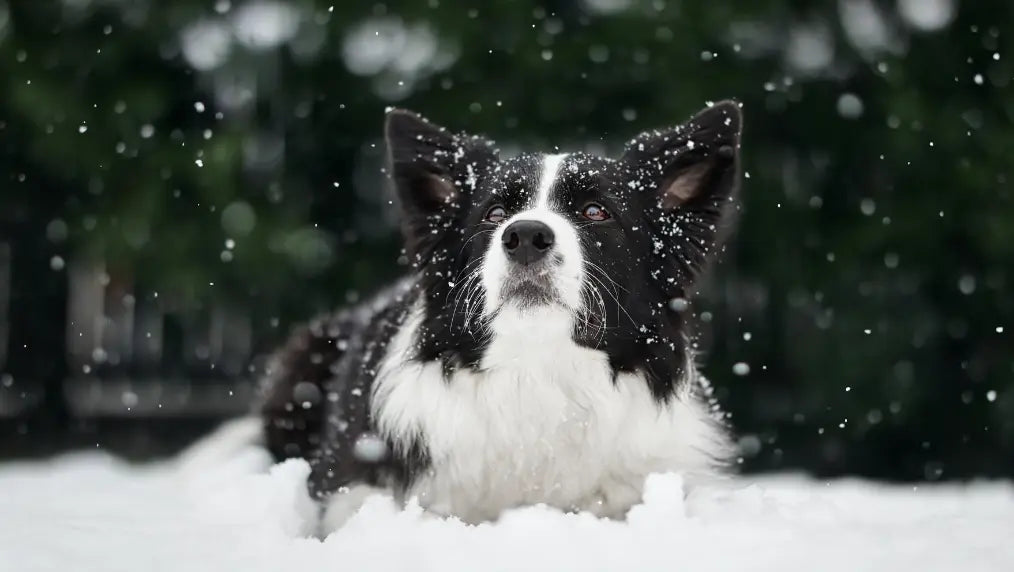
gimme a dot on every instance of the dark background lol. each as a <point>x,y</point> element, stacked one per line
<point>181,181</point>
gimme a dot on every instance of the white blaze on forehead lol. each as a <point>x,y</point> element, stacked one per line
<point>567,267</point>
<point>550,169</point>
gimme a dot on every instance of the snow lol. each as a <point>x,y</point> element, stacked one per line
<point>927,15</point>
<point>206,44</point>
<point>90,511</point>
<point>810,47</point>
<point>864,25</point>
<point>850,106</point>
<point>261,25</point>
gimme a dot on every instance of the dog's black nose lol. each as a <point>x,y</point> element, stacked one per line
<point>527,241</point>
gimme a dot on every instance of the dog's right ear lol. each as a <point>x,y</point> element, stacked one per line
<point>433,169</point>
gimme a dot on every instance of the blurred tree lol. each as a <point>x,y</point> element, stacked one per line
<point>228,151</point>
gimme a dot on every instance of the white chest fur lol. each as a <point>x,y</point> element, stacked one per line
<point>542,423</point>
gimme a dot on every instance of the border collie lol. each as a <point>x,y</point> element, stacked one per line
<point>538,351</point>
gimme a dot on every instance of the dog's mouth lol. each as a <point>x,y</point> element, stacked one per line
<point>527,287</point>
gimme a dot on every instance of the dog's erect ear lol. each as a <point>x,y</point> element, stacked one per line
<point>433,170</point>
<point>693,161</point>
<point>423,160</point>
<point>690,174</point>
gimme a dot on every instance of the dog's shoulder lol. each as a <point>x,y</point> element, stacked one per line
<point>323,361</point>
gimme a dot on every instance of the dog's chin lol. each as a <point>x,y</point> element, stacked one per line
<point>529,291</point>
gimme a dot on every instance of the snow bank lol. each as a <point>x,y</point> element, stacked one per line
<point>92,512</point>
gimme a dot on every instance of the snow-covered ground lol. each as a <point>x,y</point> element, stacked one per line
<point>92,512</point>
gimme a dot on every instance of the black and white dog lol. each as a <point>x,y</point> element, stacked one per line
<point>537,353</point>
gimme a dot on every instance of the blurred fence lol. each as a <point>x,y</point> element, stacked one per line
<point>91,359</point>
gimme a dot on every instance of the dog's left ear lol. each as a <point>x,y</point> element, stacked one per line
<point>693,161</point>
<point>689,175</point>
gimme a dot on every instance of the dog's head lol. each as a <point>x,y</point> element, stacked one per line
<point>609,242</point>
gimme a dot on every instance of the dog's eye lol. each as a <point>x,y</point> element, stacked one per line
<point>496,214</point>
<point>595,212</point>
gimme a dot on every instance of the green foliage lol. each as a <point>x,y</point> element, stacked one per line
<point>872,272</point>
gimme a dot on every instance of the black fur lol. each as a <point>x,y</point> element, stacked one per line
<point>649,252</point>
